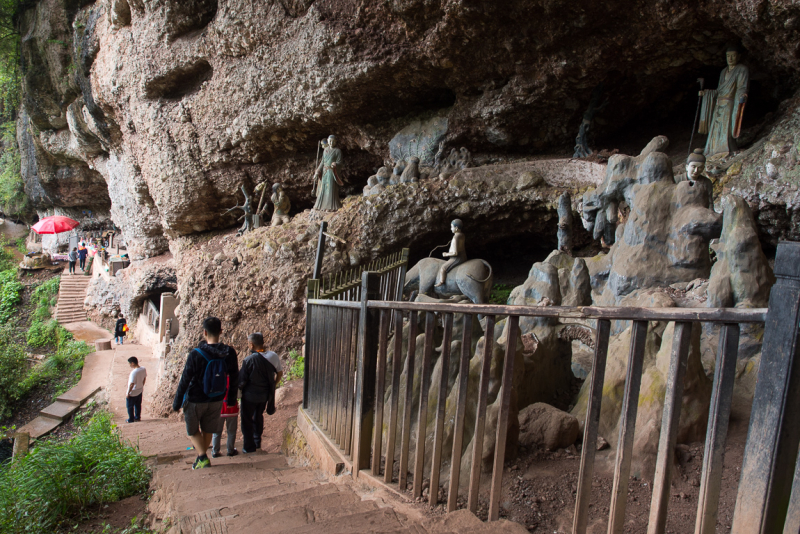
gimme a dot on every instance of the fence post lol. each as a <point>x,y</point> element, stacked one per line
<point>320,250</point>
<point>401,277</point>
<point>772,440</point>
<point>366,369</point>
<point>312,288</point>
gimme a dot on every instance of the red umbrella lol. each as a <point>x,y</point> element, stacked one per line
<point>54,225</point>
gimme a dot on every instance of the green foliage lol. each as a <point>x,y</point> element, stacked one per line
<point>13,369</point>
<point>21,245</point>
<point>62,368</point>
<point>500,294</point>
<point>10,289</point>
<point>13,200</point>
<point>296,367</point>
<point>56,480</point>
<point>42,331</point>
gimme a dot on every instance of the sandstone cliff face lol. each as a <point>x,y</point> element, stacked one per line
<point>157,110</point>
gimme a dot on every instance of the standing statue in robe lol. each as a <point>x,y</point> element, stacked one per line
<point>328,175</point>
<point>721,112</point>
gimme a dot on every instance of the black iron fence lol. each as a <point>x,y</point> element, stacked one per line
<point>346,370</point>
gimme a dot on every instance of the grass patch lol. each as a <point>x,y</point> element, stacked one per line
<point>295,368</point>
<point>56,480</point>
<point>500,293</point>
<point>21,245</point>
<point>10,289</point>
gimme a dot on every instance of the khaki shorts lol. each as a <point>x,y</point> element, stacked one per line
<point>203,416</point>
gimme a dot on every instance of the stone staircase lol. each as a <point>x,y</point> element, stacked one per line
<point>71,294</point>
<point>261,493</point>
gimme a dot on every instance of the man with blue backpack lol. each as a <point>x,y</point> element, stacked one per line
<point>203,387</point>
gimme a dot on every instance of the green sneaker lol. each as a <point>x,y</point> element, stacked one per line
<point>201,462</point>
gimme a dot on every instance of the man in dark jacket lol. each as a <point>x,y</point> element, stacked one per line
<point>261,371</point>
<point>201,412</point>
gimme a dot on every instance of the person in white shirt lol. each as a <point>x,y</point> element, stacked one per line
<point>136,381</point>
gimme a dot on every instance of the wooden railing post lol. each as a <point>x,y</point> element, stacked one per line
<point>366,369</point>
<point>311,292</point>
<point>770,454</point>
<point>320,250</point>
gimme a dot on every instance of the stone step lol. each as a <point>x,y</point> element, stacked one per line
<point>381,520</point>
<point>40,426</point>
<point>59,410</point>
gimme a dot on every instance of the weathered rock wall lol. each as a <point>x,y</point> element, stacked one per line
<point>162,108</point>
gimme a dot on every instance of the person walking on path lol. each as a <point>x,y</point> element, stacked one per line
<point>133,399</point>
<point>73,257</point>
<point>261,371</point>
<point>120,329</point>
<point>82,253</point>
<point>201,390</point>
<point>230,415</point>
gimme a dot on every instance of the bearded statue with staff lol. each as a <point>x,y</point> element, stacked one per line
<point>723,107</point>
<point>326,177</point>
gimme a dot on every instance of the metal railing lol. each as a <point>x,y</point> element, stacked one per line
<point>347,374</point>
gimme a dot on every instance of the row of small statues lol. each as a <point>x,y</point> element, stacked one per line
<point>409,172</point>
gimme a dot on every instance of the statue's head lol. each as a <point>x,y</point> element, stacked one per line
<point>695,164</point>
<point>331,141</point>
<point>276,188</point>
<point>732,56</point>
<point>456,225</point>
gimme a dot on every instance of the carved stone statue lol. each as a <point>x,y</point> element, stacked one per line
<point>282,206</point>
<point>565,222</point>
<point>456,161</point>
<point>329,180</point>
<point>411,172</point>
<point>457,252</point>
<point>247,215</point>
<point>721,112</point>
<point>695,165</point>
<point>377,182</point>
<point>582,149</point>
<point>397,172</point>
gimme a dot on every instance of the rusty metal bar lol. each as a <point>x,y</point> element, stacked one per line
<point>512,333</point>
<point>441,404</point>
<point>480,415</point>
<point>669,428</point>
<point>627,424</point>
<point>586,472</point>
<point>380,391</point>
<point>405,437</point>
<point>397,369</point>
<point>461,410</point>
<point>422,417</point>
<point>363,416</point>
<point>718,417</point>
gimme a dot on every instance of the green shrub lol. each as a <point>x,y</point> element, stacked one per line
<point>500,294</point>
<point>21,244</point>
<point>13,370</point>
<point>296,367</point>
<point>64,366</point>
<point>10,289</point>
<point>56,480</point>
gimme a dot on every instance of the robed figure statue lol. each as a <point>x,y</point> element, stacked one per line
<point>328,175</point>
<point>721,112</point>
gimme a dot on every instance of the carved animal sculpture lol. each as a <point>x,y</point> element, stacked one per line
<point>473,279</point>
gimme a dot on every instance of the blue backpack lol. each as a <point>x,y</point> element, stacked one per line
<point>215,378</point>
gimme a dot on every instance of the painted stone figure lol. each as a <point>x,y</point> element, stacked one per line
<point>329,181</point>
<point>695,165</point>
<point>721,112</point>
<point>248,213</point>
<point>457,253</point>
<point>282,206</point>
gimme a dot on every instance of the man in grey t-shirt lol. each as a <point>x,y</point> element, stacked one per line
<point>260,373</point>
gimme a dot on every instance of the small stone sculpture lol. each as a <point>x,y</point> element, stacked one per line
<point>582,149</point>
<point>565,222</point>
<point>397,172</point>
<point>377,182</point>
<point>695,165</point>
<point>456,161</point>
<point>247,215</point>
<point>328,177</point>
<point>457,252</point>
<point>282,206</point>
<point>721,112</point>
<point>411,172</point>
